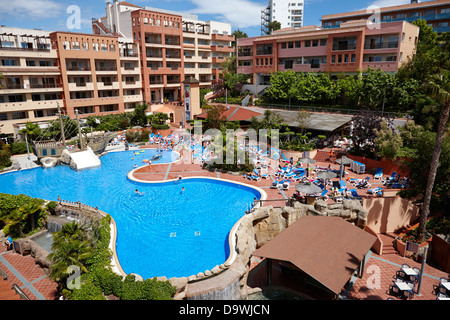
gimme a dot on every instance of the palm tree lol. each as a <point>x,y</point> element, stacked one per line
<point>439,88</point>
<point>17,216</point>
<point>66,254</point>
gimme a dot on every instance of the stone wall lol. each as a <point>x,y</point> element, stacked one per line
<point>255,230</point>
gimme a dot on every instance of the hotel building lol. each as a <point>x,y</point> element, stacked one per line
<point>289,13</point>
<point>73,71</point>
<point>31,86</point>
<point>436,13</point>
<point>173,46</point>
<point>351,48</point>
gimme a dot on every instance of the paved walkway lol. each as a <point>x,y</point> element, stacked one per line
<point>23,271</point>
<point>379,270</point>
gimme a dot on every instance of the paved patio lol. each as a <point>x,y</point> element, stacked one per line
<point>379,270</point>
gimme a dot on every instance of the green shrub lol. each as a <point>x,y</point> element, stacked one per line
<point>18,148</point>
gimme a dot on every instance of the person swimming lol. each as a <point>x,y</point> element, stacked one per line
<point>138,192</point>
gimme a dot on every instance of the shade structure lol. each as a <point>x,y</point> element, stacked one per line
<point>307,160</point>
<point>328,249</point>
<point>326,175</point>
<point>308,188</point>
<point>344,160</point>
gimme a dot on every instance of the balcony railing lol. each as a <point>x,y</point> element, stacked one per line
<point>12,86</point>
<point>78,68</point>
<point>24,49</point>
<point>383,45</point>
<point>43,85</point>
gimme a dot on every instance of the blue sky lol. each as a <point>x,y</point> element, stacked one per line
<point>51,15</point>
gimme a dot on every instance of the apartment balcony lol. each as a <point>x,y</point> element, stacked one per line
<point>222,37</point>
<point>245,69</point>
<point>108,85</point>
<point>130,70</point>
<point>384,45</point>
<point>25,71</point>
<point>105,71</point>
<point>218,59</point>
<point>78,71</point>
<point>29,105</point>
<point>222,48</point>
<point>310,67</point>
<point>204,70</point>
<point>387,66</point>
<point>132,98</point>
<point>131,84</point>
<point>74,86</point>
<point>20,88</point>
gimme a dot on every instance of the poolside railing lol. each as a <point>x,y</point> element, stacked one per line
<point>77,204</point>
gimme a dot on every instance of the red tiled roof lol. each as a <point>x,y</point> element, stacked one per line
<point>419,5</point>
<point>329,249</point>
<point>235,114</point>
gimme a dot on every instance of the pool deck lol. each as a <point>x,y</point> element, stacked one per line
<point>38,286</point>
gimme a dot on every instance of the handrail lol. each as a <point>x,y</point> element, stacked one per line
<point>77,204</point>
<point>3,274</point>
<point>20,292</point>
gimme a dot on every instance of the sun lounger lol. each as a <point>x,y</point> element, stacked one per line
<point>378,174</point>
<point>355,193</point>
<point>375,190</point>
<point>284,158</point>
<point>324,194</point>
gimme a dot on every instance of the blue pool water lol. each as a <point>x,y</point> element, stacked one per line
<point>164,232</point>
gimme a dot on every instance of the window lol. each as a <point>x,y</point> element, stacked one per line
<point>31,63</point>
<point>346,58</point>
<point>298,44</point>
<point>387,17</point>
<point>333,58</point>
<point>346,43</point>
<point>104,47</point>
<point>414,14</point>
<point>339,58</point>
<point>45,63</point>
<point>353,57</point>
<point>283,45</point>
<point>95,46</point>
<point>315,43</point>
<point>307,43</point>
<point>323,42</point>
<point>290,45</point>
<point>400,16</point>
<point>10,62</point>
<point>445,10</point>
<point>443,24</point>
<point>66,45</point>
<point>85,46</point>
<point>75,45</point>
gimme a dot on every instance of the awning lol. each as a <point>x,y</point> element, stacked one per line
<point>328,249</point>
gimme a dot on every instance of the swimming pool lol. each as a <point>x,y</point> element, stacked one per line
<point>164,232</point>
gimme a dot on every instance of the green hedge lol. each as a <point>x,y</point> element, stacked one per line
<point>18,148</point>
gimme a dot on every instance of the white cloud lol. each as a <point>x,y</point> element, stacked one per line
<point>239,13</point>
<point>30,9</point>
<point>388,3</point>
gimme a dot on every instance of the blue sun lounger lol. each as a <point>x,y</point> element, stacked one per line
<point>378,174</point>
<point>355,193</point>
